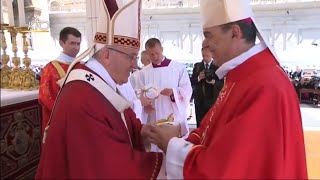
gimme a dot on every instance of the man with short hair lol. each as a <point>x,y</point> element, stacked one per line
<point>93,132</point>
<point>145,60</point>
<point>69,40</point>
<point>254,130</point>
<point>206,84</point>
<point>172,84</point>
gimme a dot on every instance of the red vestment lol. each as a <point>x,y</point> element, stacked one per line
<point>87,139</point>
<point>49,89</point>
<point>254,131</point>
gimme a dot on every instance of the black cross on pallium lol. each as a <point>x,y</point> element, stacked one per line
<point>89,77</point>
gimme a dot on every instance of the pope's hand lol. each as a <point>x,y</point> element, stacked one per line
<point>145,133</point>
<point>161,134</point>
<point>167,92</point>
<point>146,129</point>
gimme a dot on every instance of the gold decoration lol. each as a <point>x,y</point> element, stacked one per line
<point>29,81</point>
<point>5,69</point>
<point>168,120</point>
<point>16,75</point>
<point>16,78</point>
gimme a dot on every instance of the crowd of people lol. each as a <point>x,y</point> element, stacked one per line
<point>306,79</point>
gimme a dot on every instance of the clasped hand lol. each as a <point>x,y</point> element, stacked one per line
<point>160,134</point>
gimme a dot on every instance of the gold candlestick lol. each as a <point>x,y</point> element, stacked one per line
<point>16,75</point>
<point>29,81</point>
<point>5,69</point>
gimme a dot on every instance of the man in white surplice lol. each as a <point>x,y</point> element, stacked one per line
<point>170,79</point>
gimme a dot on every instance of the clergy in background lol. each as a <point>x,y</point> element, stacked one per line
<point>254,131</point>
<point>171,80</point>
<point>134,78</point>
<point>69,40</point>
<point>93,132</point>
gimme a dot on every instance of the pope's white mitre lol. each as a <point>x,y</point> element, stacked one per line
<point>118,24</point>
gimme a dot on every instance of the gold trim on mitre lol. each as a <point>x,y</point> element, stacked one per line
<point>126,41</point>
<point>101,38</point>
<point>218,12</point>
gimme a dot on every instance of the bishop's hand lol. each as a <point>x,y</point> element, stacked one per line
<point>161,134</point>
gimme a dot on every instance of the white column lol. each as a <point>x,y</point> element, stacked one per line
<point>91,6</point>
<point>22,15</point>
<point>10,13</point>
<point>2,21</point>
<point>272,34</point>
<point>190,39</point>
<point>284,35</point>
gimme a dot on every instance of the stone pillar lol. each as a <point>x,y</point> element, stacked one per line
<point>92,14</point>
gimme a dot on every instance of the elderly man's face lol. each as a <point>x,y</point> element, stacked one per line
<point>219,43</point>
<point>121,61</point>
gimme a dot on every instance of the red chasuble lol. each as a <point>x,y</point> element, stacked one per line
<point>254,131</point>
<point>87,139</point>
<point>49,89</point>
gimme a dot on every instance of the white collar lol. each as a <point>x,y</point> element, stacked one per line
<point>223,70</point>
<point>65,58</point>
<point>95,66</point>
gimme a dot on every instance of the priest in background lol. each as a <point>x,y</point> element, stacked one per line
<point>93,132</point>
<point>69,40</point>
<point>171,80</point>
<point>254,131</point>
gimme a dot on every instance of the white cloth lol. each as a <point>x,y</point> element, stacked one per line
<point>179,148</point>
<point>126,90</point>
<point>173,76</point>
<point>65,58</point>
<point>95,66</point>
<point>134,78</point>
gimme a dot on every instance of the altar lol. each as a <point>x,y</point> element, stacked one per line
<point>20,133</point>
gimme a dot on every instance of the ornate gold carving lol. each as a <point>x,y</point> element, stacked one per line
<point>15,75</point>
<point>29,81</point>
<point>5,69</point>
<point>16,78</point>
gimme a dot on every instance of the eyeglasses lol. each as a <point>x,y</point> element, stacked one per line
<point>133,58</point>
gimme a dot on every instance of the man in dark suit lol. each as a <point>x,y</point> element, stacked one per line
<point>206,85</point>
